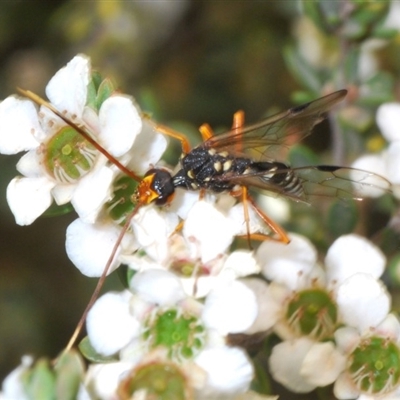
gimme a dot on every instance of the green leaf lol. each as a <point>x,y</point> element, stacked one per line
<point>351,64</point>
<point>394,269</point>
<point>385,33</point>
<point>261,382</point>
<point>301,70</point>
<point>93,86</point>
<point>69,374</point>
<point>123,275</point>
<point>40,383</point>
<point>365,19</point>
<point>324,14</point>
<point>342,217</point>
<point>106,89</point>
<point>55,210</point>
<point>91,354</point>
<point>378,89</point>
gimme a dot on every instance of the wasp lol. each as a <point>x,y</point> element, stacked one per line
<point>241,159</point>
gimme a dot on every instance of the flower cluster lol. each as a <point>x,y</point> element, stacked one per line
<point>386,163</point>
<point>169,333</point>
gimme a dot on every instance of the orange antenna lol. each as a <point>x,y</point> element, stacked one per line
<point>37,99</point>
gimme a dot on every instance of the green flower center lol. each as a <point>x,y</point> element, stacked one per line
<point>155,381</point>
<point>69,156</point>
<point>183,335</point>
<point>313,313</point>
<point>375,366</point>
<point>121,205</point>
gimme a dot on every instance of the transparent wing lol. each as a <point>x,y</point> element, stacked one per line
<point>282,129</point>
<point>318,181</point>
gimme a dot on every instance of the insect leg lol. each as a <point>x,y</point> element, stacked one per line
<point>101,280</point>
<point>245,197</point>
<point>237,126</point>
<point>206,132</point>
<point>176,135</point>
<point>278,230</point>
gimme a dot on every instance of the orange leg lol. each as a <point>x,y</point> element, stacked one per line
<point>206,132</point>
<point>176,135</point>
<point>278,230</point>
<point>237,126</point>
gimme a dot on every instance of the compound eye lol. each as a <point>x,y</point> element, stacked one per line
<point>162,200</point>
<point>163,185</point>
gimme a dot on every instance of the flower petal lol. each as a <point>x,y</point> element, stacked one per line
<point>29,198</point>
<point>230,308</point>
<point>208,231</point>
<point>152,229</point>
<point>269,310</point>
<point>350,254</point>
<point>285,362</point>
<point>102,380</point>
<point>287,263</point>
<point>372,184</point>
<point>109,323</point>
<point>392,162</point>
<point>63,193</point>
<point>158,286</point>
<point>18,122</point>
<point>89,246</point>
<point>389,327</point>
<point>323,364</point>
<point>13,387</point>
<point>388,120</point>
<point>346,339</point>
<point>30,166</point>
<point>229,371</point>
<point>345,388</point>
<point>92,191</point>
<point>67,89</point>
<point>147,149</point>
<point>363,301</point>
<point>120,123</point>
<point>241,263</point>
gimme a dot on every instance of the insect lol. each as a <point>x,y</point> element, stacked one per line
<point>238,160</point>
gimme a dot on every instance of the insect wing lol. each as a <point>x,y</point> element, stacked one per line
<point>316,182</point>
<point>341,182</point>
<point>283,129</point>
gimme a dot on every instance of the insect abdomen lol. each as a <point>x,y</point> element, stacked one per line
<point>280,174</point>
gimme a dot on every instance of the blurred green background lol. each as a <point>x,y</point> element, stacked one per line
<point>185,62</point>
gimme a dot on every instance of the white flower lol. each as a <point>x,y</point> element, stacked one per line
<point>229,371</point>
<point>89,246</point>
<point>385,163</point>
<point>372,362</point>
<point>157,310</point>
<point>208,230</point>
<point>301,364</point>
<point>102,380</point>
<point>350,261</point>
<point>12,387</point>
<point>287,263</point>
<point>317,302</point>
<point>60,164</point>
<point>119,324</point>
